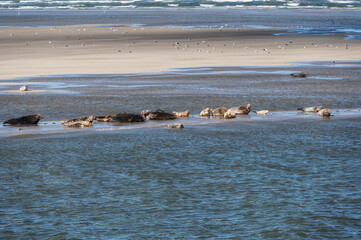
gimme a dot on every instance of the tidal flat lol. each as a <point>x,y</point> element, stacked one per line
<point>287,175</point>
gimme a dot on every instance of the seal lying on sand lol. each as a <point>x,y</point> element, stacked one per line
<point>240,109</point>
<point>161,115</point>
<point>128,117</point>
<point>83,121</point>
<point>179,126</point>
<point>311,109</point>
<point>324,112</point>
<point>299,75</point>
<point>24,88</point>
<point>262,112</point>
<point>228,115</point>
<point>106,118</point>
<point>182,114</point>
<point>78,124</point>
<point>77,119</point>
<point>29,119</point>
<point>206,112</point>
<point>219,111</point>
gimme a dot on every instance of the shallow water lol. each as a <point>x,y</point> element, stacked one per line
<point>255,180</point>
<point>334,86</point>
<point>285,176</point>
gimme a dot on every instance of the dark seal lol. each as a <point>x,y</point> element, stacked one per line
<point>161,115</point>
<point>299,75</point>
<point>29,119</point>
<point>128,117</point>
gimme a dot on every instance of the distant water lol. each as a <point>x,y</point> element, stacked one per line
<point>114,4</point>
<point>299,21</point>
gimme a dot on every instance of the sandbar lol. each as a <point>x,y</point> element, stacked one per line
<point>93,49</point>
<point>55,127</point>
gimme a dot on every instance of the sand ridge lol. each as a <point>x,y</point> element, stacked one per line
<point>27,52</point>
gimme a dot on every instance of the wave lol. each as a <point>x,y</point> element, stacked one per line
<point>113,4</point>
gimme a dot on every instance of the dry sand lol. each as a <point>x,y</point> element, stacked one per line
<point>27,52</point>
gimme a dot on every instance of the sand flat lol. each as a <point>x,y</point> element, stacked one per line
<point>110,50</point>
<point>20,83</point>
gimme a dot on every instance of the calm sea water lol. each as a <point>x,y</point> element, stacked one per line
<point>114,4</point>
<point>269,179</point>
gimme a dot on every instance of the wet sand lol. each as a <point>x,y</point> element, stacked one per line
<point>92,49</point>
<point>334,86</point>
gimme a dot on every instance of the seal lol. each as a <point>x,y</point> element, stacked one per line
<point>128,117</point>
<point>182,114</point>
<point>106,118</point>
<point>299,75</point>
<point>78,124</point>
<point>262,112</point>
<point>324,112</point>
<point>24,88</point>
<point>229,115</point>
<point>78,119</point>
<point>29,119</point>
<point>161,115</point>
<point>179,126</point>
<point>241,109</point>
<point>206,112</point>
<point>219,111</point>
<point>311,109</point>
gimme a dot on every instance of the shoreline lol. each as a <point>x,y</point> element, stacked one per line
<point>90,49</point>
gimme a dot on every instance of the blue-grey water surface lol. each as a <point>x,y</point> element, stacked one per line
<point>288,21</point>
<point>270,180</point>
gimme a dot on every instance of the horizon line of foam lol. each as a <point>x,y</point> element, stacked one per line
<point>176,6</point>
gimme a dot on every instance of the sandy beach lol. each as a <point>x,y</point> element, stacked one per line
<point>29,52</point>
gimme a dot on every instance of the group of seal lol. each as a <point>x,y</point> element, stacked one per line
<point>222,112</point>
<point>125,117</point>
<point>225,113</point>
